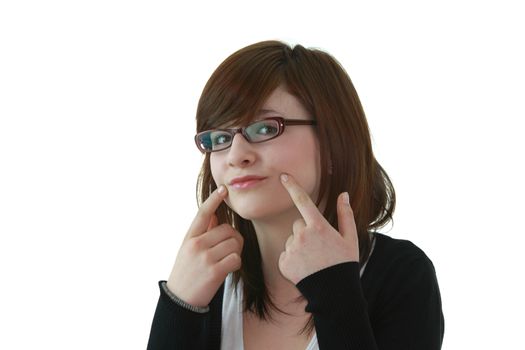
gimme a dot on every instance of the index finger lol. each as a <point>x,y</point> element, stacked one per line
<point>206,211</point>
<point>301,199</point>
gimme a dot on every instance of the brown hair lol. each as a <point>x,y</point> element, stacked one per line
<point>236,91</point>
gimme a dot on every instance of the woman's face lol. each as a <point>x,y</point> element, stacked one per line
<point>295,152</point>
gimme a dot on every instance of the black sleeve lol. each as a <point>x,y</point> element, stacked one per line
<point>339,308</point>
<point>175,327</point>
<point>410,316</point>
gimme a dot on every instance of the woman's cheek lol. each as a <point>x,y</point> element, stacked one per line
<point>215,170</point>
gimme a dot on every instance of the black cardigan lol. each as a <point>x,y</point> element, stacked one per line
<point>396,304</point>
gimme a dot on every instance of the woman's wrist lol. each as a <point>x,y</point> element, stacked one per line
<point>182,303</point>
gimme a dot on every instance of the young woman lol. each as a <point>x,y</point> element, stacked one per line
<point>284,251</point>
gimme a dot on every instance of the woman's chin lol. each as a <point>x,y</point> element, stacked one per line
<point>253,211</point>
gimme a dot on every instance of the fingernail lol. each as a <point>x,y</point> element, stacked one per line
<point>221,189</point>
<point>346,198</point>
<point>284,177</point>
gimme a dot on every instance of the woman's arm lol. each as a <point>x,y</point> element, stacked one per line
<point>176,327</point>
<point>339,308</point>
<point>406,315</point>
<point>410,315</point>
<point>208,253</point>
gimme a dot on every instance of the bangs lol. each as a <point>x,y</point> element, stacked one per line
<point>238,88</point>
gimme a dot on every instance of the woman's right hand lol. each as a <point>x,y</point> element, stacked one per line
<point>208,253</point>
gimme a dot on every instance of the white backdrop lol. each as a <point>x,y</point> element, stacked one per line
<point>98,165</point>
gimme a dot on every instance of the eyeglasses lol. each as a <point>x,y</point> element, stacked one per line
<point>256,132</point>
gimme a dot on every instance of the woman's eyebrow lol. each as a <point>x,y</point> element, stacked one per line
<point>267,111</point>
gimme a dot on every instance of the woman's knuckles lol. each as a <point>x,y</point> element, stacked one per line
<point>232,263</point>
<point>319,227</point>
<point>196,245</point>
<point>239,238</point>
<point>206,269</point>
<point>219,270</point>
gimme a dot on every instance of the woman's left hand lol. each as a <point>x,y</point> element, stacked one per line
<point>315,244</point>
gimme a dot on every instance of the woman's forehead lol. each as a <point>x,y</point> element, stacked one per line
<point>284,104</point>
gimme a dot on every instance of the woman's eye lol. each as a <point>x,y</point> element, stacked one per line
<point>221,139</point>
<point>267,130</point>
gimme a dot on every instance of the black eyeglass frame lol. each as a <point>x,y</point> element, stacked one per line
<point>282,122</point>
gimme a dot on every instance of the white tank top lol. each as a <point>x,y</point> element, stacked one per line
<point>232,329</point>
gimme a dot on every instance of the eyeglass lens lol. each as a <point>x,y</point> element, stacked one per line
<point>259,131</point>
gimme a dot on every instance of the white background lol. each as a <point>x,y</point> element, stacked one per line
<point>98,164</point>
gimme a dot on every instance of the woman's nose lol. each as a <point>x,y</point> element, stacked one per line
<point>241,152</point>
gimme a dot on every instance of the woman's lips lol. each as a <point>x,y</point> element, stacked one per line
<point>247,183</point>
